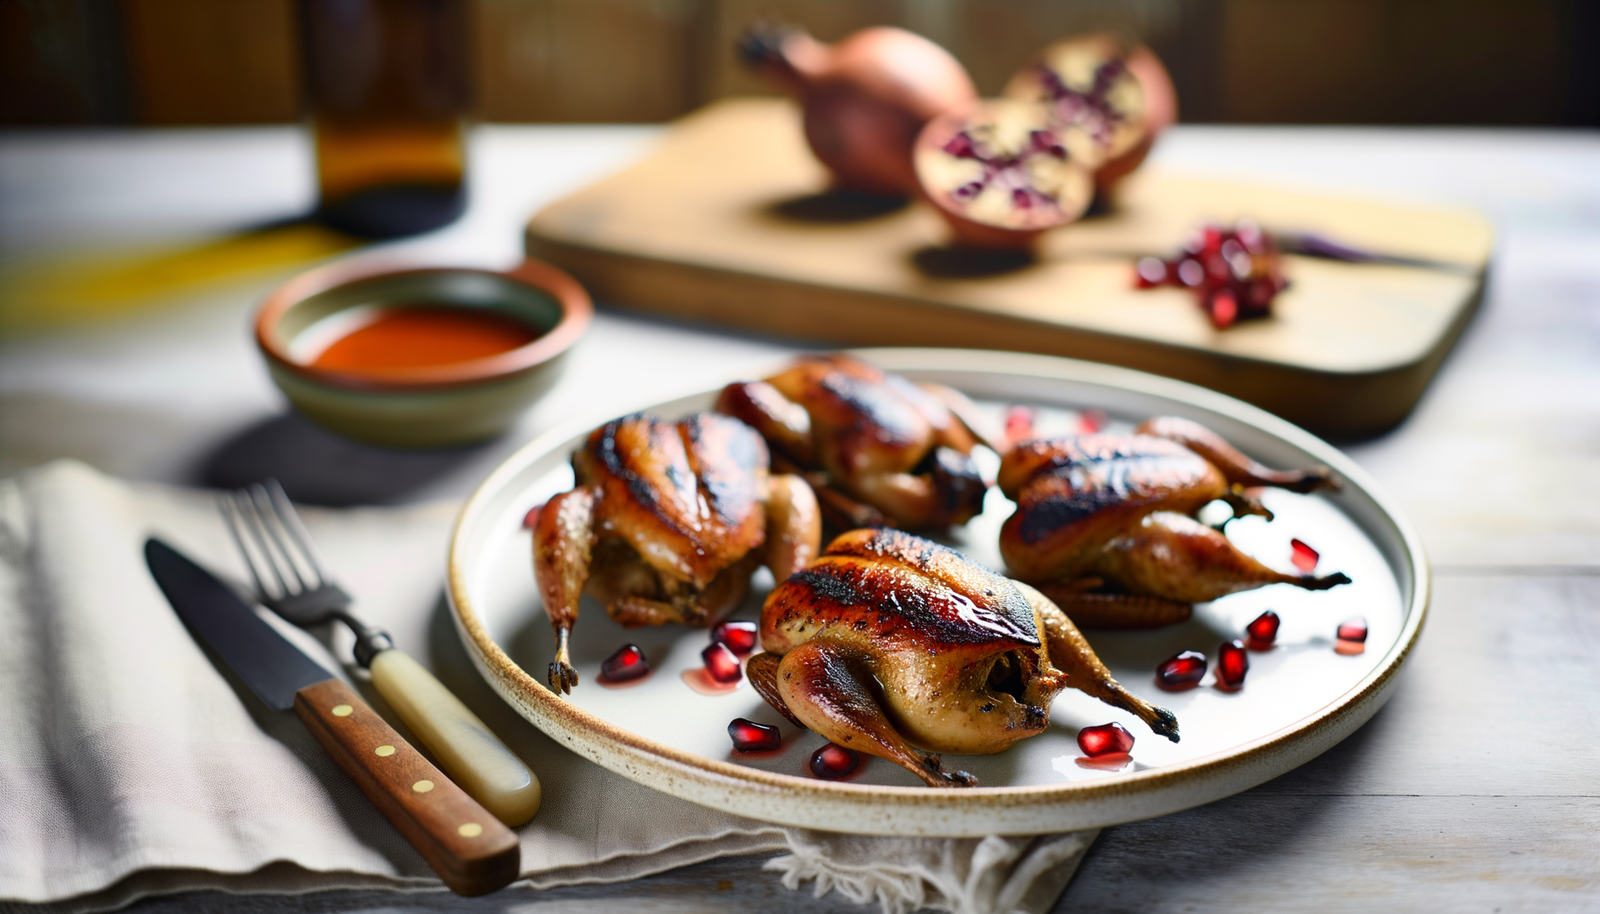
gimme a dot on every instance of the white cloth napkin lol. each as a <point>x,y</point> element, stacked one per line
<point>130,766</point>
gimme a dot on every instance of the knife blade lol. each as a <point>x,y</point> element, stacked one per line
<point>467,846</point>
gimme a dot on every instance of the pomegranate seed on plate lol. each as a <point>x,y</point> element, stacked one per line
<point>1092,420</point>
<point>1353,630</point>
<point>1263,630</point>
<point>532,517</point>
<point>629,662</point>
<point>740,637</point>
<point>834,761</point>
<point>721,665</point>
<point>1232,663</point>
<point>749,736</point>
<point>1305,558</point>
<point>1105,739</point>
<point>1181,671</point>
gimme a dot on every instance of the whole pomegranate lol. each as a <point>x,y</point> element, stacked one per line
<point>864,98</point>
<point>1117,91</point>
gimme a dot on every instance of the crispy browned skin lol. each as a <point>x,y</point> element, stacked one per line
<point>666,524</point>
<point>878,449</point>
<point>1117,510</point>
<point>894,645</point>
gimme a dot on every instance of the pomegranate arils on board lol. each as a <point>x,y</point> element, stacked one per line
<point>834,761</point>
<point>629,662</point>
<point>1232,664</point>
<point>1353,630</point>
<point>749,736</point>
<point>1304,557</point>
<point>721,665</point>
<point>1105,739</point>
<point>740,637</point>
<point>1263,630</point>
<point>1181,671</point>
<point>1235,272</point>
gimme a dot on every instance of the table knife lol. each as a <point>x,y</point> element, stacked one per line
<point>467,846</point>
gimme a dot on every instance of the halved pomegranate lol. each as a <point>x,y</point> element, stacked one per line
<point>1119,93</point>
<point>1002,174</point>
<point>739,637</point>
<point>1105,739</point>
<point>833,761</point>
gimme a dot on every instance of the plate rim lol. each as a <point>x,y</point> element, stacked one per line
<point>792,800</point>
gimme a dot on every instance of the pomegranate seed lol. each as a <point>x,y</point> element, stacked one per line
<point>1181,671</point>
<point>1105,740</point>
<point>1353,630</point>
<point>834,761</point>
<point>1092,420</point>
<point>1263,630</point>
<point>721,665</point>
<point>1224,310</point>
<point>629,662</point>
<point>749,736</point>
<point>1305,558</point>
<point>740,637</point>
<point>1149,273</point>
<point>532,517</point>
<point>1019,424</point>
<point>1232,664</point>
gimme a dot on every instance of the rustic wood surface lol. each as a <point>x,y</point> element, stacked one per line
<point>1473,790</point>
<point>726,223</point>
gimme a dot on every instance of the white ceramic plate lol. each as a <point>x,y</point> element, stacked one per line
<point>1298,700</point>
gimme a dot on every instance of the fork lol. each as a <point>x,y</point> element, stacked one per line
<point>291,580</point>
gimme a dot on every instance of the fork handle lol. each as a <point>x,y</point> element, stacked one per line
<point>464,746</point>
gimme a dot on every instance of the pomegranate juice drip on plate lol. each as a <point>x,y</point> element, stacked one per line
<point>382,340</point>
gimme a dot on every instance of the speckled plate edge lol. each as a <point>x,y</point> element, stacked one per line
<point>1036,809</point>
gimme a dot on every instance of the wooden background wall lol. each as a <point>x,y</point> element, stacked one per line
<point>171,62</point>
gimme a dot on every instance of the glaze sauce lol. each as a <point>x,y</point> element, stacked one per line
<point>385,340</point>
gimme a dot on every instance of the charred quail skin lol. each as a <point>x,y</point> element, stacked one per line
<point>894,645</point>
<point>877,449</point>
<point>1105,524</point>
<point>666,524</point>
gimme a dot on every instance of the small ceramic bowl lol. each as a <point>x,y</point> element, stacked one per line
<point>435,406</point>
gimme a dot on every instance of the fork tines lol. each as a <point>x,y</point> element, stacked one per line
<point>276,546</point>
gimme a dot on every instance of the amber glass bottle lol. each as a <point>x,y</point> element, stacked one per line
<point>389,93</point>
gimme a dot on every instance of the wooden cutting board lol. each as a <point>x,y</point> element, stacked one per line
<point>726,222</point>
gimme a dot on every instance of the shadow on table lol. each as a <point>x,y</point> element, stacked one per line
<point>318,467</point>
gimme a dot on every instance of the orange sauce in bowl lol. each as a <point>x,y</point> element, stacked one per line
<point>422,336</point>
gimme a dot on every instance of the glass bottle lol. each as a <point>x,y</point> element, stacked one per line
<point>388,88</point>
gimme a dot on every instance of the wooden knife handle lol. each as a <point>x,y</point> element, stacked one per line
<point>469,848</point>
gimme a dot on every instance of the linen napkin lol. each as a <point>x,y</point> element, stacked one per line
<point>131,766</point>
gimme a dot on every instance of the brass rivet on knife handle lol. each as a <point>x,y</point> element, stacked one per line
<point>469,848</point>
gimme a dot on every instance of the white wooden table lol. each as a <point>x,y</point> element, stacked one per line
<point>1476,789</point>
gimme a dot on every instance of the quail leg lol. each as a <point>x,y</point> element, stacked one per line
<point>794,525</point>
<point>1239,469</point>
<point>562,548</point>
<point>1178,558</point>
<point>1082,670</point>
<point>825,686</point>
